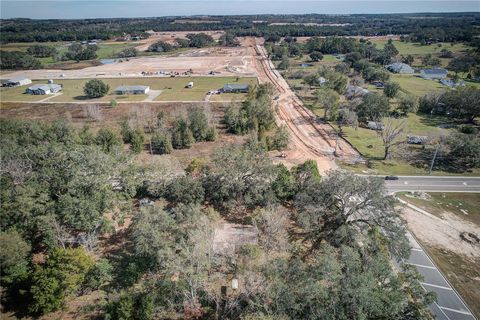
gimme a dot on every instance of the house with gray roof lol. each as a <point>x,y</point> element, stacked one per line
<point>235,88</point>
<point>353,92</point>
<point>42,89</point>
<point>399,67</point>
<point>16,82</point>
<point>131,90</point>
<point>434,73</point>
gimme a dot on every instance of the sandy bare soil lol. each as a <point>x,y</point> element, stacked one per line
<point>309,139</point>
<point>443,233</point>
<point>170,37</point>
<point>224,61</point>
<point>230,236</point>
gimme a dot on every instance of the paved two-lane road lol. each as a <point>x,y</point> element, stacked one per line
<point>449,305</point>
<point>434,184</point>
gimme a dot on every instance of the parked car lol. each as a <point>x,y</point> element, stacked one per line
<point>391,178</point>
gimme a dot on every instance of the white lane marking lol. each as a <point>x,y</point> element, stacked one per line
<point>441,310</point>
<point>464,183</point>
<point>455,310</point>
<point>406,182</point>
<point>436,286</point>
<point>422,266</point>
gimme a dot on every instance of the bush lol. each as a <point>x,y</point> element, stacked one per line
<point>185,190</point>
<point>161,143</point>
<point>96,88</point>
<point>467,129</point>
<point>137,140</point>
<point>182,137</point>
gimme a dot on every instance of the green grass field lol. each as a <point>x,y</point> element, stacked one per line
<point>406,48</point>
<point>173,89</point>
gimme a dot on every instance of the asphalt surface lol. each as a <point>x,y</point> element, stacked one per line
<point>449,305</point>
<point>434,184</point>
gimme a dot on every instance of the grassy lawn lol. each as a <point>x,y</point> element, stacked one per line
<point>416,85</point>
<point>369,143</point>
<point>463,274</point>
<point>452,202</point>
<point>417,49</point>
<point>172,89</point>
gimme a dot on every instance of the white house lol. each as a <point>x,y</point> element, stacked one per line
<point>435,73</point>
<point>131,90</point>
<point>16,82</point>
<point>41,89</point>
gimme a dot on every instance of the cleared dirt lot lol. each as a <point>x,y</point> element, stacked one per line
<point>170,37</point>
<point>222,61</point>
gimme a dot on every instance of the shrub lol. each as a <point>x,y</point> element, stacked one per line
<point>96,88</point>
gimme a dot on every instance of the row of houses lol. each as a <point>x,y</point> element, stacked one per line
<point>138,89</point>
<point>403,68</point>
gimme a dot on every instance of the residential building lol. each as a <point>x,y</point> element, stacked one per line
<point>435,73</point>
<point>452,84</point>
<point>132,90</point>
<point>16,82</point>
<point>399,67</point>
<point>42,89</point>
<point>353,92</point>
<point>236,88</point>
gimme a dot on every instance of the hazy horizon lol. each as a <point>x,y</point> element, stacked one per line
<point>59,9</point>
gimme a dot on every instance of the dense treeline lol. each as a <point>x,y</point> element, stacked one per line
<point>421,27</point>
<point>60,186</point>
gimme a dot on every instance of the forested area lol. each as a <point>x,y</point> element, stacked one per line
<point>421,27</point>
<point>323,251</point>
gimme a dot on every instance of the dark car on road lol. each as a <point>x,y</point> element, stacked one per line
<point>391,178</point>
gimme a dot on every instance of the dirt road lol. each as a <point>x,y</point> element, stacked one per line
<point>309,139</point>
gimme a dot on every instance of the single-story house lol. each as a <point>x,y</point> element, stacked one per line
<point>132,90</point>
<point>399,67</point>
<point>435,73</point>
<point>417,139</point>
<point>16,82</point>
<point>452,84</point>
<point>41,89</point>
<point>236,88</point>
<point>374,125</point>
<point>355,92</point>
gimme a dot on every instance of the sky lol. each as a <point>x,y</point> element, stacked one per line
<point>80,9</point>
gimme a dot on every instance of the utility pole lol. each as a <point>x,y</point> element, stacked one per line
<point>433,159</point>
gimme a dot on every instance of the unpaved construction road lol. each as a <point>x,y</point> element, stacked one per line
<point>309,138</point>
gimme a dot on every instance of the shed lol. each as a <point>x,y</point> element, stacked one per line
<point>236,88</point>
<point>435,73</point>
<point>399,67</point>
<point>16,82</point>
<point>132,90</point>
<point>41,89</point>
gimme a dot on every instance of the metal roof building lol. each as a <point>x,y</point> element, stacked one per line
<point>132,90</point>
<point>229,87</point>
<point>41,89</point>
<point>399,67</point>
<point>435,73</point>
